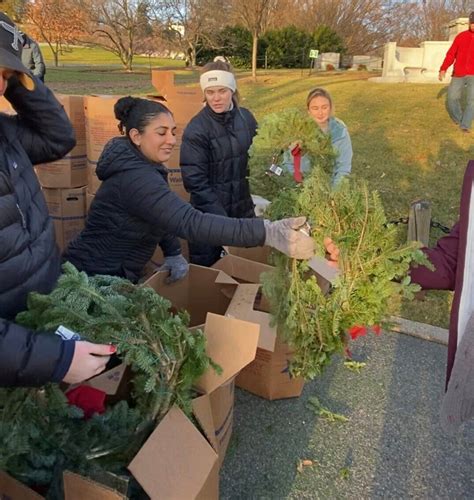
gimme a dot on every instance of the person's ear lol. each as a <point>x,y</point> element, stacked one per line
<point>135,136</point>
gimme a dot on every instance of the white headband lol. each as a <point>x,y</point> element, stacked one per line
<point>217,78</point>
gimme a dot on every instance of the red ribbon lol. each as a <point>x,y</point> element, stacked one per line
<point>88,399</point>
<point>359,331</point>
<point>296,153</point>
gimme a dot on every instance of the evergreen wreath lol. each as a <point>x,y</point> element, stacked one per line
<point>373,266</point>
<point>274,135</point>
<point>41,433</point>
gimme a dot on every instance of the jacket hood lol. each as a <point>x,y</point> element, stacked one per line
<point>120,155</point>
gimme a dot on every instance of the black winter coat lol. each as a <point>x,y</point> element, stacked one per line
<point>214,167</point>
<point>29,258</point>
<point>134,210</point>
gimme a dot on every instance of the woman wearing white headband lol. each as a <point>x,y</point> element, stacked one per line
<point>214,154</point>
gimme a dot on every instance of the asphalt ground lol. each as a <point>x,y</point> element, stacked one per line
<point>392,446</point>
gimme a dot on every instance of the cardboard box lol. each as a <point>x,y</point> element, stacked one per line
<point>67,208</point>
<point>70,171</point>
<point>159,465</point>
<point>11,489</point>
<point>241,269</point>
<point>93,182</point>
<point>268,375</point>
<point>185,103</point>
<point>256,254</point>
<point>89,199</point>
<point>100,123</point>
<point>210,290</point>
<point>203,290</point>
<point>101,126</point>
<point>177,461</point>
<point>324,273</point>
<point>74,107</point>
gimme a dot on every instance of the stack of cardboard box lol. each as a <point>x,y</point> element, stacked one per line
<point>184,102</point>
<point>100,126</point>
<point>64,181</point>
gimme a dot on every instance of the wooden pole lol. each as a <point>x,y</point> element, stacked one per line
<point>419,221</point>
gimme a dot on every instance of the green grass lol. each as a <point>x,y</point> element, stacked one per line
<point>96,56</point>
<point>404,143</point>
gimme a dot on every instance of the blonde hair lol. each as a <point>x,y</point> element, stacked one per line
<point>319,92</point>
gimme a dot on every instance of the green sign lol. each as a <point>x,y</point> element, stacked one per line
<point>313,54</point>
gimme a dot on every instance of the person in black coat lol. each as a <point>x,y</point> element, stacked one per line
<point>135,209</point>
<point>214,154</point>
<point>29,259</point>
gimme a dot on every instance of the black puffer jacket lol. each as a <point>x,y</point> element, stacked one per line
<point>134,210</point>
<point>29,259</point>
<point>214,167</point>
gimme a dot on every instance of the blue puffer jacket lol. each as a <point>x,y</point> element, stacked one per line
<point>29,258</point>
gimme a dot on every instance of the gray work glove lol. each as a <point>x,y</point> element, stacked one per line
<point>285,237</point>
<point>177,266</point>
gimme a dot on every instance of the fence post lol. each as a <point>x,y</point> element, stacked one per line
<point>419,221</point>
<point>266,59</point>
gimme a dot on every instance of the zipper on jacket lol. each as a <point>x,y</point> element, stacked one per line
<point>23,219</point>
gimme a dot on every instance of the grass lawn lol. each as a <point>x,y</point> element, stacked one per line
<point>404,143</point>
<point>95,56</point>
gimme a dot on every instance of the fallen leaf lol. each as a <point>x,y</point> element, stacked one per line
<point>304,462</point>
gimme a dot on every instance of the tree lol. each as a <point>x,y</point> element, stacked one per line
<point>191,24</point>
<point>57,22</point>
<point>287,47</point>
<point>233,42</point>
<point>256,16</point>
<point>434,16</point>
<point>327,40</point>
<point>14,8</point>
<point>116,25</point>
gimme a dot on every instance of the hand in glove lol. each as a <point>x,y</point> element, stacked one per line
<point>177,266</point>
<point>285,237</point>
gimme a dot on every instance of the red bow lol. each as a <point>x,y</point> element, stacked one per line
<point>88,399</point>
<point>296,153</point>
<point>359,331</point>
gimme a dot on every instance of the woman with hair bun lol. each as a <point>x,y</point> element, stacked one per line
<point>135,209</point>
<point>214,154</point>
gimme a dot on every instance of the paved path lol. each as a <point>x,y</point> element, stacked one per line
<point>391,447</point>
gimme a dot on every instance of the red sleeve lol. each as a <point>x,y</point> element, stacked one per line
<point>444,257</point>
<point>450,55</point>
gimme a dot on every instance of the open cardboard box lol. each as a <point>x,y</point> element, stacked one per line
<point>324,273</point>
<point>177,460</point>
<point>203,290</point>
<point>268,375</point>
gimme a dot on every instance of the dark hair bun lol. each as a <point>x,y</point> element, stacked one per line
<point>123,107</point>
